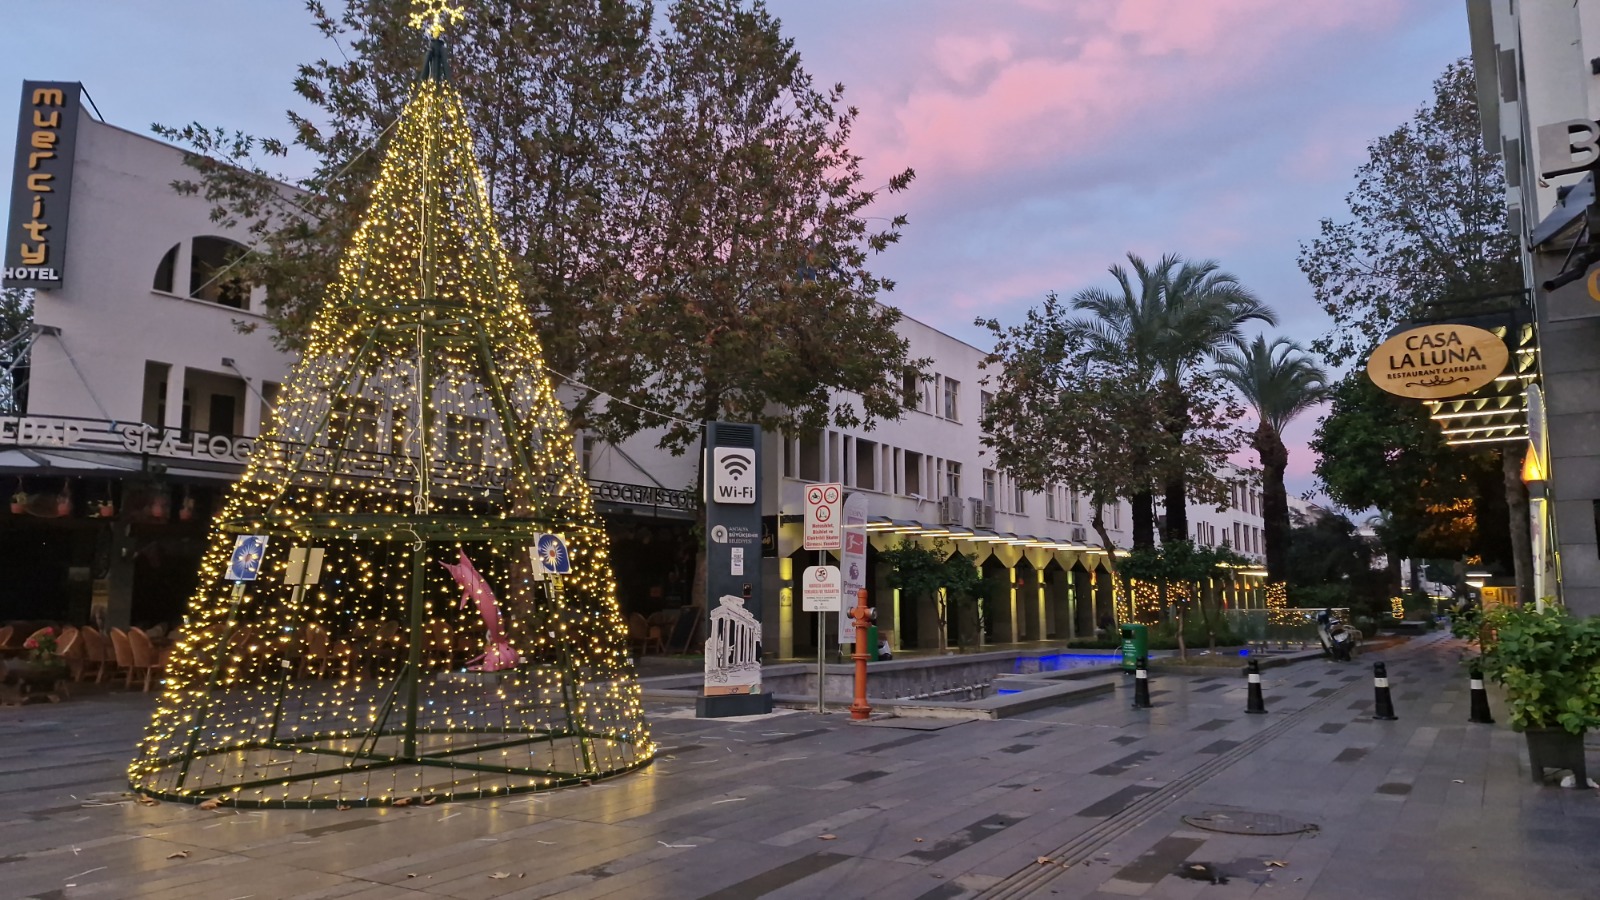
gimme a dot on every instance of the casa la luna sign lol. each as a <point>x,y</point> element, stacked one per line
<point>1437,361</point>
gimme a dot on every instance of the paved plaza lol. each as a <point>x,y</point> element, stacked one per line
<point>1087,800</point>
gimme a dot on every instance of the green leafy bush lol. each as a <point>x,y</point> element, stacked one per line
<point>1549,663</point>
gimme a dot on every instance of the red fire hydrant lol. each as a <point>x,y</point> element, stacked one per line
<point>863,616</point>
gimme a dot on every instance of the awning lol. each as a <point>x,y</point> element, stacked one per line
<point>33,461</point>
<point>1567,211</point>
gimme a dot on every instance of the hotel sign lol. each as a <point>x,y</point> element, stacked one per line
<point>41,185</point>
<point>1437,361</point>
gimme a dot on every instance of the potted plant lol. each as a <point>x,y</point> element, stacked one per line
<point>41,667</point>
<point>1549,664</point>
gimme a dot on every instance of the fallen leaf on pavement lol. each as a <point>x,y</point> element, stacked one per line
<point>1276,863</point>
<point>918,840</point>
<point>211,804</point>
<point>181,854</point>
<point>411,874</point>
<point>1459,780</point>
<point>827,837</point>
<point>1045,861</point>
<point>147,801</point>
<point>341,807</point>
<point>430,801</point>
<point>403,801</point>
<point>500,875</point>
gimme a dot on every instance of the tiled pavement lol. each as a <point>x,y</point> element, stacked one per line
<point>1428,806</point>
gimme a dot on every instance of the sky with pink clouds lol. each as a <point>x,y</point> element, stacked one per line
<point>1050,137</point>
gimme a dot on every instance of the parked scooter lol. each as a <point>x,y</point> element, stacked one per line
<point>1335,637</point>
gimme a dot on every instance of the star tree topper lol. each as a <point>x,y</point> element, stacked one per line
<point>433,15</point>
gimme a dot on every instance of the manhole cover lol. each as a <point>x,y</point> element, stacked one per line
<point>1240,822</point>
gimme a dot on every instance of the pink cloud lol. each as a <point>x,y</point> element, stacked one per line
<point>1023,90</point>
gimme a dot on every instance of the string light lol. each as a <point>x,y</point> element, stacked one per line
<point>419,423</point>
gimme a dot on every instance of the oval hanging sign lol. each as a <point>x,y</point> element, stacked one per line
<point>1437,361</point>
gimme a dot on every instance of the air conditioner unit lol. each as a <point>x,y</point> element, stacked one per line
<point>1078,533</point>
<point>950,511</point>
<point>983,515</point>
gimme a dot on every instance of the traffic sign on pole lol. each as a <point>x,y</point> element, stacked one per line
<point>819,588</point>
<point>824,522</point>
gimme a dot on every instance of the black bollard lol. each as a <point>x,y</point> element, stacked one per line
<point>1383,707</point>
<point>1141,684</point>
<point>1254,704</point>
<point>1480,700</point>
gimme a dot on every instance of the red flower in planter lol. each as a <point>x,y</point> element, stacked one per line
<point>30,644</point>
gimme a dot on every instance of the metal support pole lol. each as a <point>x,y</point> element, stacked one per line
<point>822,649</point>
<point>419,557</point>
<point>211,683</point>
<point>822,624</point>
<point>284,668</point>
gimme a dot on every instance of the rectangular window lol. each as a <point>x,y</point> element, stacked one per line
<point>1116,514</point>
<point>810,462</point>
<point>985,398</point>
<point>588,448</point>
<point>911,388</point>
<point>1050,508</point>
<point>952,405</point>
<point>952,479</point>
<point>353,424</point>
<point>1073,498</point>
<point>1236,543</point>
<point>913,474</point>
<point>1019,500</point>
<point>990,493</point>
<point>463,438</point>
<point>866,467</point>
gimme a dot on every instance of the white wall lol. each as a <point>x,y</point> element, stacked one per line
<point>124,217</point>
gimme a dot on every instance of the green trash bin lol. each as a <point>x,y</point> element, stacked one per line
<point>872,642</point>
<point>1135,645</point>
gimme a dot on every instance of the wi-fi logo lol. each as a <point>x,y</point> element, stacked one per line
<point>736,466</point>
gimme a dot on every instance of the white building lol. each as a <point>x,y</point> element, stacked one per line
<point>1539,101</point>
<point>144,392</point>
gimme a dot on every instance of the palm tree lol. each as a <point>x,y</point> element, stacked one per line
<point>1280,381</point>
<point>1162,321</point>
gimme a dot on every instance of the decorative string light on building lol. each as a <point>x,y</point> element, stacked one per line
<point>420,444</point>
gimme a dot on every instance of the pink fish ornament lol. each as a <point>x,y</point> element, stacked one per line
<point>498,654</point>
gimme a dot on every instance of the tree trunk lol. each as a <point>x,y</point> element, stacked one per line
<point>1144,520</point>
<point>1202,591</point>
<point>1274,500</point>
<point>1177,508</point>
<point>1183,649</point>
<point>1177,499</point>
<point>697,587</point>
<point>1521,528</point>
<point>1098,523</point>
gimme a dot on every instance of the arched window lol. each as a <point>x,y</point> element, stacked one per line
<point>167,270</point>
<point>209,276</point>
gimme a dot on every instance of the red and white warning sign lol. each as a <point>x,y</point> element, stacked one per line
<point>824,524</point>
<point>819,589</point>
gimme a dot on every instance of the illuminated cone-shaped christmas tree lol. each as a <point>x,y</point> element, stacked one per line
<point>420,446</point>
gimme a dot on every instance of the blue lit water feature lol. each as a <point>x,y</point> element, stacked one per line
<point>1059,662</point>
